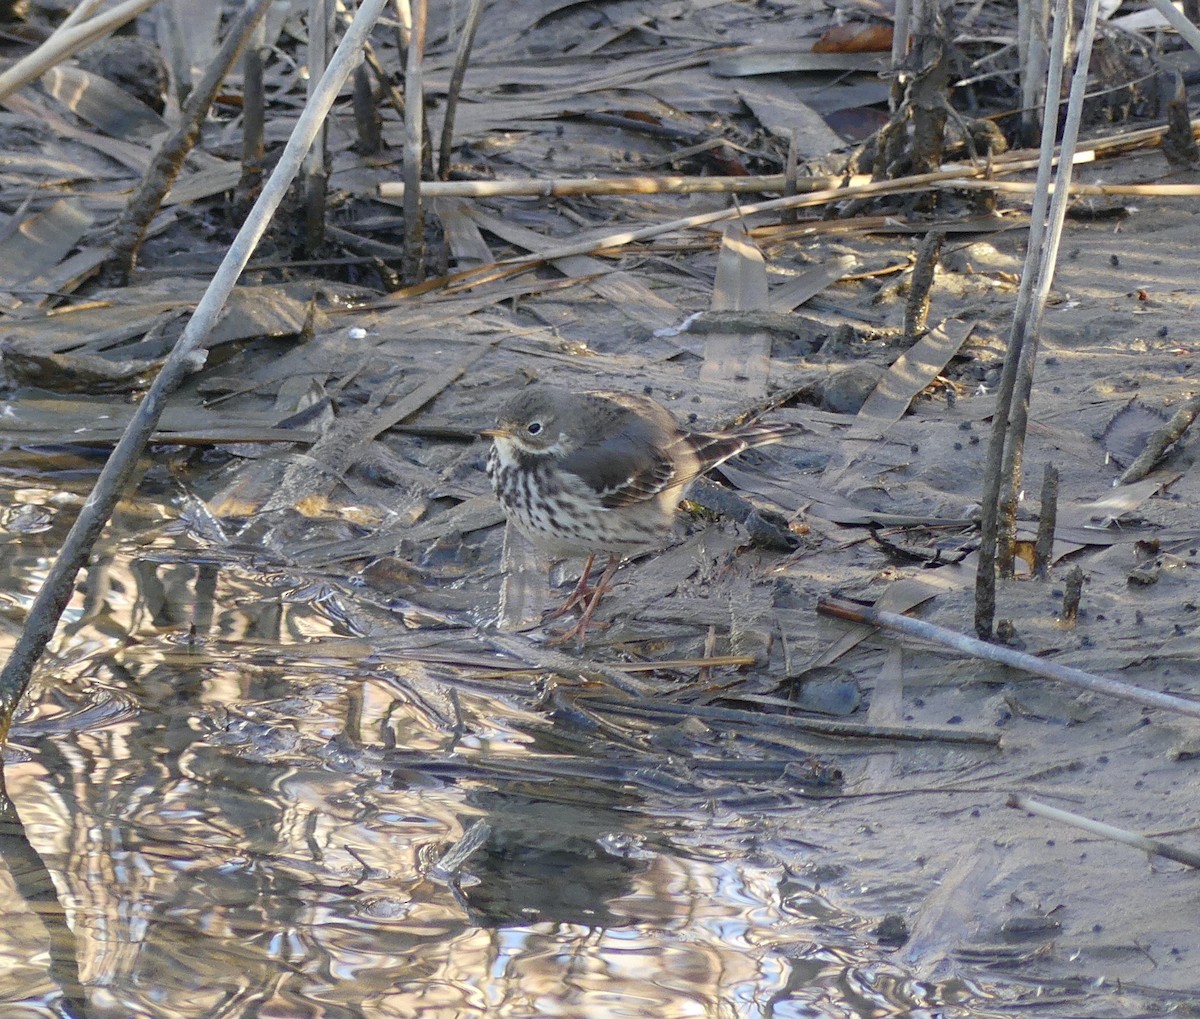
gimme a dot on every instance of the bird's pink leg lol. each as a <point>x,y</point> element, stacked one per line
<point>602,587</point>
<point>580,594</point>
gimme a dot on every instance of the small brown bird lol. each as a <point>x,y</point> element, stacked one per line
<point>600,473</point>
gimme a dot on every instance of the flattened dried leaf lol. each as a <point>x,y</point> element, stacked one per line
<point>779,108</point>
<point>911,372</point>
<point>752,61</point>
<point>856,37</point>
<point>739,359</point>
<point>103,104</point>
<point>811,282</point>
<point>41,241</point>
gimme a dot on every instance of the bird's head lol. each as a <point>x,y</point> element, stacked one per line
<point>536,421</point>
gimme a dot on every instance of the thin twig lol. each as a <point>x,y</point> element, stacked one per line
<point>466,41</point>
<point>1003,655</point>
<point>414,144</point>
<point>1106,831</point>
<point>186,356</point>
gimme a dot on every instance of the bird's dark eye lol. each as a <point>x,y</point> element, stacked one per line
<point>534,428</point>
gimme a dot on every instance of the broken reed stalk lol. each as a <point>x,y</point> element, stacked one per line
<point>1072,595</point>
<point>315,174</point>
<point>1033,17</point>
<point>130,228</point>
<point>916,307</point>
<point>65,42</point>
<point>186,357</point>
<point>954,175</point>
<point>840,609</point>
<point>1106,831</point>
<point>901,24</point>
<point>254,108</point>
<point>462,55</point>
<point>641,185</point>
<point>367,122</point>
<point>414,144</point>
<point>1031,327</point>
<point>985,573</point>
<point>1043,549</point>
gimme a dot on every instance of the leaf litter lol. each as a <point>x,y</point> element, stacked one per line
<point>334,427</point>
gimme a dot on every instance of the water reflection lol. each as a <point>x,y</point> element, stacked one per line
<point>232,806</point>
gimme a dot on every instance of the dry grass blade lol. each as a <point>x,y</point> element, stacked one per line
<point>908,376</point>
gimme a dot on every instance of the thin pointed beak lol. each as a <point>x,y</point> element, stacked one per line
<point>494,433</point>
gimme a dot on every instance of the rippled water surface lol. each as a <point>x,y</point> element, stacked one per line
<point>237,802</point>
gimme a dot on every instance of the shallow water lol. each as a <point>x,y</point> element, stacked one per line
<point>237,804</point>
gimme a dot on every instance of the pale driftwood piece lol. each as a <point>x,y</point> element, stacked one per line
<point>186,357</point>
<point>66,42</point>
<point>1005,656</point>
<point>1105,831</point>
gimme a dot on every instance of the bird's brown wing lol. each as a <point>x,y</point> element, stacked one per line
<point>629,456</point>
